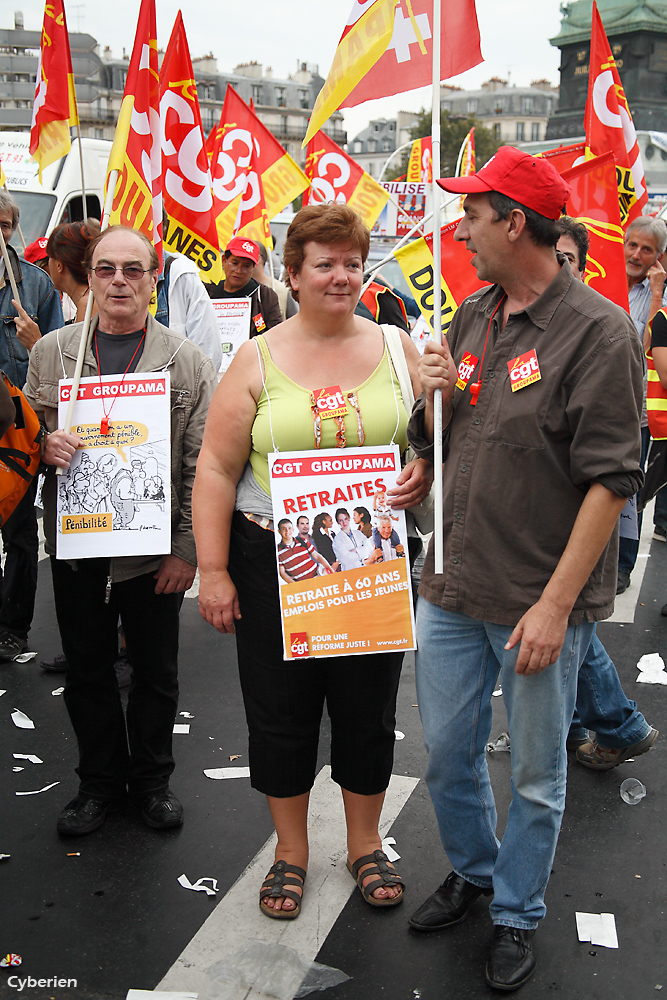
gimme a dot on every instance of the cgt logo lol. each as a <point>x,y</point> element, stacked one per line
<point>524,370</point>
<point>298,644</point>
<point>465,369</point>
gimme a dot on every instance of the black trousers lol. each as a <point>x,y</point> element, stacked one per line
<point>114,756</point>
<point>284,700</point>
<point>19,579</point>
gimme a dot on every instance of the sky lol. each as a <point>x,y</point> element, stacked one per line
<point>282,33</point>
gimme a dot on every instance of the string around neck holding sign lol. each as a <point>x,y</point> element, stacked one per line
<point>104,422</point>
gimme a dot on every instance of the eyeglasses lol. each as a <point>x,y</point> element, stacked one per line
<point>131,272</point>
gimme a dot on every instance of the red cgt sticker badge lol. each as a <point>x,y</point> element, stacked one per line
<point>465,370</point>
<point>524,370</point>
<point>330,402</point>
<point>298,642</point>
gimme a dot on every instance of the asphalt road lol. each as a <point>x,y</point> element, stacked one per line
<point>108,912</point>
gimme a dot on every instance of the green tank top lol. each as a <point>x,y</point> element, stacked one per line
<point>285,419</point>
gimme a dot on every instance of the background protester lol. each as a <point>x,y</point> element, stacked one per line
<point>39,310</point>
<point>264,402</point>
<point>238,262</point>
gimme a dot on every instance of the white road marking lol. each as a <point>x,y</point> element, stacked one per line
<point>237,917</point>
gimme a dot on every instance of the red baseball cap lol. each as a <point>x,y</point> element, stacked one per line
<point>530,180</point>
<point>36,251</point>
<point>240,246</point>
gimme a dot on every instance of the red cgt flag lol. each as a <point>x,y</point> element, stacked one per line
<point>54,108</point>
<point>406,62</point>
<point>186,174</point>
<point>565,157</point>
<point>609,126</point>
<point>594,201</point>
<point>239,132</point>
<point>334,176</point>
<point>135,153</point>
<point>252,219</point>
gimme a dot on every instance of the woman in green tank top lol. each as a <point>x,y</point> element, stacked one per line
<point>265,403</point>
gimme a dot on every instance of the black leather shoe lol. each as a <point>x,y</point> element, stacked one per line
<point>83,815</point>
<point>622,581</point>
<point>448,905</point>
<point>161,810</point>
<point>511,962</point>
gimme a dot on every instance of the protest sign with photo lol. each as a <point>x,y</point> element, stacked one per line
<point>341,552</point>
<point>233,317</point>
<point>115,497</point>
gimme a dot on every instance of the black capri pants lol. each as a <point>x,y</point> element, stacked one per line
<point>284,699</point>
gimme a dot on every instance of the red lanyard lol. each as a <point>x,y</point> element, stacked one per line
<point>104,423</point>
<point>476,386</point>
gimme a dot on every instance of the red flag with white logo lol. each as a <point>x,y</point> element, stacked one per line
<point>609,126</point>
<point>186,174</point>
<point>335,176</point>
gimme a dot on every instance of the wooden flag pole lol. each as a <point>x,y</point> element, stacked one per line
<point>438,533</point>
<point>69,418</point>
<point>8,268</point>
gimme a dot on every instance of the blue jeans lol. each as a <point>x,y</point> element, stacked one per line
<point>629,547</point>
<point>602,705</point>
<point>458,662</point>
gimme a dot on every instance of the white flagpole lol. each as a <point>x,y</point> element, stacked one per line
<point>438,536</point>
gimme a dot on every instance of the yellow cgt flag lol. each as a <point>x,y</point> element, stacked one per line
<point>364,40</point>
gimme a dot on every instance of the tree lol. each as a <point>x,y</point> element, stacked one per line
<point>453,130</point>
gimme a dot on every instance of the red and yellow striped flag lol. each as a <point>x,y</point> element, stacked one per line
<point>54,109</point>
<point>135,152</point>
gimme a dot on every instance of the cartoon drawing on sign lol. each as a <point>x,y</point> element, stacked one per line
<point>129,490</point>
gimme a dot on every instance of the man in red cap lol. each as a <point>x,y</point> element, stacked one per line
<point>238,262</point>
<point>541,388</point>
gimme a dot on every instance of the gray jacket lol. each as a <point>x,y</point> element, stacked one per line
<point>193,381</point>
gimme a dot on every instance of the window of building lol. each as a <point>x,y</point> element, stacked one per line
<point>446,105</point>
<point>372,145</point>
<point>283,124</point>
<point>303,99</point>
<point>472,106</point>
<point>376,127</point>
<point>99,134</point>
<point>386,145</point>
<point>499,105</point>
<point>520,128</point>
<point>535,131</point>
<point>256,93</point>
<point>526,105</point>
<point>358,146</point>
<point>392,126</point>
<point>280,97</point>
<point>371,169</point>
<point>496,130</point>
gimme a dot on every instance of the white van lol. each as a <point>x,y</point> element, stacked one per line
<point>58,198</point>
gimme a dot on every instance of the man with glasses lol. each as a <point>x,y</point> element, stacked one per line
<point>19,535</point>
<point>145,591</point>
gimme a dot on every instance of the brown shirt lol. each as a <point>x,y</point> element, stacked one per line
<point>518,464</point>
